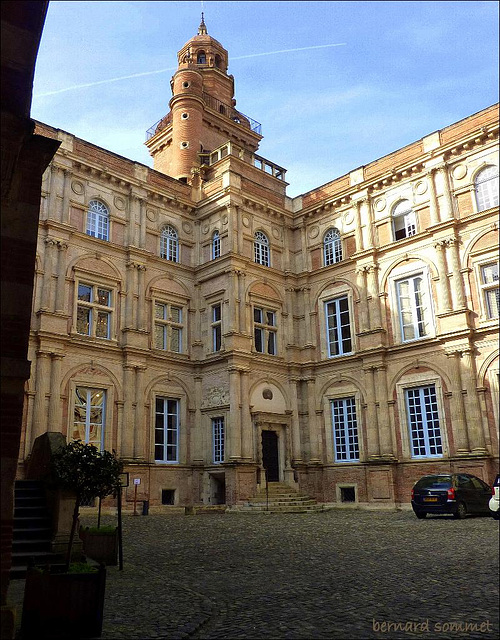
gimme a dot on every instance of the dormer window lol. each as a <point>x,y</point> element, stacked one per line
<point>201,58</point>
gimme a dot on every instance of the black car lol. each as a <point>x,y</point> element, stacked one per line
<point>455,493</point>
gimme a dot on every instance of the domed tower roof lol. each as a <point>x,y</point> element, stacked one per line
<point>203,50</point>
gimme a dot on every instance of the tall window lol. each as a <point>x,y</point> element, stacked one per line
<point>345,430</point>
<point>403,220</point>
<point>98,220</point>
<point>201,58</point>
<point>265,330</point>
<point>166,430</point>
<point>216,327</point>
<point>88,416</point>
<point>218,439</point>
<point>338,326</point>
<point>261,249</point>
<point>332,247</point>
<point>414,311</point>
<point>169,244</point>
<point>168,327</point>
<point>423,422</point>
<point>93,311</point>
<point>216,245</point>
<point>486,185</point>
<point>489,287</point>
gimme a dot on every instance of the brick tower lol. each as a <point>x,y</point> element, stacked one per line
<point>202,114</point>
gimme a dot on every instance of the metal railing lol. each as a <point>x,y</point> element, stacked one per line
<point>216,105</point>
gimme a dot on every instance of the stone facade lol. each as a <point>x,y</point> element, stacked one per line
<point>185,319</point>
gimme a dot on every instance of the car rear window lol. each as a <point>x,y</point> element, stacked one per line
<point>436,482</point>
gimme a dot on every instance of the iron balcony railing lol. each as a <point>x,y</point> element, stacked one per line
<point>216,105</point>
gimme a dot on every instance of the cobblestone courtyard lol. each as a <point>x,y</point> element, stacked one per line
<point>337,574</point>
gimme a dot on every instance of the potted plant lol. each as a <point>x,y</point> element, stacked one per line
<point>68,601</point>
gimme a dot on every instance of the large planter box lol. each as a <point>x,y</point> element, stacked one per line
<point>63,605</point>
<point>101,547</point>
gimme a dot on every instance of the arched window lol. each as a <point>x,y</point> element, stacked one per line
<point>98,220</point>
<point>169,244</point>
<point>486,185</point>
<point>403,220</point>
<point>261,249</point>
<point>216,245</point>
<point>218,61</point>
<point>332,247</point>
<point>201,58</point>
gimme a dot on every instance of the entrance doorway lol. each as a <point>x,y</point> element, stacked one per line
<point>270,455</point>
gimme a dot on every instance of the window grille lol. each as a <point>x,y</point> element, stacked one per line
<point>414,311</point>
<point>166,430</point>
<point>265,330</point>
<point>332,247</point>
<point>345,430</point>
<point>218,439</point>
<point>98,220</point>
<point>403,220</point>
<point>168,327</point>
<point>423,422</point>
<point>486,186</point>
<point>215,245</point>
<point>93,310</point>
<point>88,416</point>
<point>261,249</point>
<point>169,244</point>
<point>338,326</point>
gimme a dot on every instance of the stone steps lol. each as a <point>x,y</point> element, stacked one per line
<point>280,498</point>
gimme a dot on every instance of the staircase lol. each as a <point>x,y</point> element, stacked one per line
<point>31,540</point>
<point>282,499</point>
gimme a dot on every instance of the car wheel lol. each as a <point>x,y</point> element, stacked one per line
<point>461,511</point>
<point>421,514</point>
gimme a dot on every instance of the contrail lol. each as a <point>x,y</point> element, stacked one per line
<point>150,73</point>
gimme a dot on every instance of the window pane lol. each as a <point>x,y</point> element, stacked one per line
<point>270,318</point>
<point>216,312</point>
<point>83,316</point>
<point>104,297</point>
<point>258,340</point>
<point>257,315</point>
<point>175,340</point>
<point>84,292</point>
<point>160,311</point>
<point>102,329</point>
<point>176,314</point>
<point>160,337</point>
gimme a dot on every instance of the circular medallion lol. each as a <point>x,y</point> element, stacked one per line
<point>421,187</point>
<point>206,229</point>
<point>276,233</point>
<point>460,171</point>
<point>246,221</point>
<point>77,187</point>
<point>348,216</point>
<point>380,204</point>
<point>267,394</point>
<point>151,215</point>
<point>224,219</point>
<point>187,227</point>
<point>314,232</point>
<point>119,203</point>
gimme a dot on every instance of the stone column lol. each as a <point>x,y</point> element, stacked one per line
<point>52,197</point>
<point>375,314</point>
<point>54,423</point>
<point>363,303</point>
<point>290,335</point>
<point>306,302</point>
<point>120,427</point>
<point>197,448</point>
<point>444,298</point>
<point>447,207</point>
<point>232,295</point>
<point>242,305</point>
<point>234,415</point>
<point>457,283</point>
<point>472,408</point>
<point>358,231</point>
<point>372,429</point>
<point>296,442</point>
<point>246,418</point>
<point>66,196</point>
<point>458,423</point>
<point>128,413</point>
<point>483,410</point>
<point>384,425</point>
<point>314,453</point>
<point>41,382</point>
<point>48,267</point>
<point>142,220</point>
<point>61,277</point>
<point>303,247</point>
<point>232,236</point>
<point>367,215</point>
<point>433,201</point>
<point>140,428</point>
<point>129,301</point>
<point>141,304</point>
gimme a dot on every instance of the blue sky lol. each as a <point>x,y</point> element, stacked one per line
<point>401,70</point>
